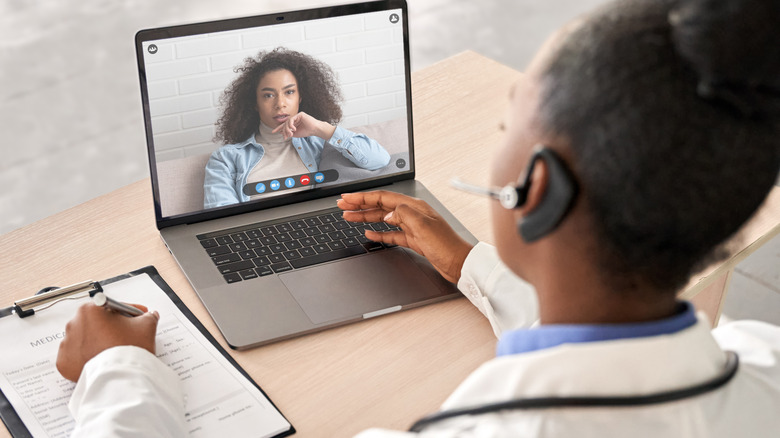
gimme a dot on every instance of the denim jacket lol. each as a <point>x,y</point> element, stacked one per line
<point>229,166</point>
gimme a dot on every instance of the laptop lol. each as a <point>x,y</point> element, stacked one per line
<point>250,214</point>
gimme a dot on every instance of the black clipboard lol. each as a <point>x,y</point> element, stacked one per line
<point>17,428</point>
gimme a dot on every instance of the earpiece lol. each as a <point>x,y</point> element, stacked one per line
<point>557,199</point>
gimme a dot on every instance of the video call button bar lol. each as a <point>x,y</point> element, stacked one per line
<point>290,182</point>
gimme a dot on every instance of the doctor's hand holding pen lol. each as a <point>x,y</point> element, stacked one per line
<point>95,329</point>
<point>423,229</point>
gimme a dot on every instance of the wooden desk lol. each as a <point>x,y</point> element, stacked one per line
<point>384,372</point>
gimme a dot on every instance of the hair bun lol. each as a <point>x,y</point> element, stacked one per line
<point>734,48</point>
<point>729,41</point>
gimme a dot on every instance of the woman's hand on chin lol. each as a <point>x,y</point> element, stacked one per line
<point>304,125</point>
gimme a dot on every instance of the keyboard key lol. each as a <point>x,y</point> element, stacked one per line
<point>248,274</point>
<point>308,241</point>
<point>278,247</point>
<point>362,239</point>
<point>293,245</point>
<point>379,226</point>
<point>321,248</point>
<point>350,241</point>
<point>226,258</point>
<point>267,231</point>
<point>224,240</point>
<point>281,267</point>
<point>291,255</point>
<point>246,255</point>
<point>284,237</point>
<point>326,218</point>
<point>312,221</point>
<point>235,267</point>
<point>307,252</point>
<point>218,250</point>
<point>297,234</point>
<point>341,225</point>
<point>268,240</point>
<point>264,270</point>
<point>336,245</point>
<point>373,246</point>
<point>232,278</point>
<point>328,256</point>
<point>254,234</point>
<point>237,247</point>
<point>336,235</point>
<point>327,228</point>
<point>360,228</point>
<point>322,238</point>
<point>351,232</point>
<point>284,228</point>
<point>264,251</point>
<point>298,225</point>
<point>239,237</point>
<point>312,231</point>
<point>276,258</point>
<point>261,261</point>
<point>252,244</point>
<point>209,243</point>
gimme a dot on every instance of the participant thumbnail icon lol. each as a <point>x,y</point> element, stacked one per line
<point>275,185</point>
<point>289,183</point>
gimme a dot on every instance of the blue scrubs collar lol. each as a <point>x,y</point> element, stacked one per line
<point>552,335</point>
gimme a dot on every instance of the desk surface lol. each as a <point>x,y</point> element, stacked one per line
<point>384,372</point>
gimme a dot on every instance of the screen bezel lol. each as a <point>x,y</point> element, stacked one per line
<point>257,21</point>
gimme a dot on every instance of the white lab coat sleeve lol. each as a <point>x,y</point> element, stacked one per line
<point>506,300</point>
<point>127,392</point>
<point>756,342</point>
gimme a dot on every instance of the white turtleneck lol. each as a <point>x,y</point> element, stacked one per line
<point>279,161</point>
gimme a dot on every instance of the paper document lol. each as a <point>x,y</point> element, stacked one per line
<point>219,400</point>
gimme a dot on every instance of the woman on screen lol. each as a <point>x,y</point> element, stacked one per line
<point>278,115</point>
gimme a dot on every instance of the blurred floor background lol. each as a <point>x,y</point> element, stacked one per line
<point>71,117</point>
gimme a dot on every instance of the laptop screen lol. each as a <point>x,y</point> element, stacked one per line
<point>273,109</point>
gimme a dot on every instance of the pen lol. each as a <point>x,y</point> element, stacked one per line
<point>103,300</point>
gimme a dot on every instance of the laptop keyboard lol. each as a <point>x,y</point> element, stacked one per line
<point>274,247</point>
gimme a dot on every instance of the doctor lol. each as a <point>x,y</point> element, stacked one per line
<point>642,137</point>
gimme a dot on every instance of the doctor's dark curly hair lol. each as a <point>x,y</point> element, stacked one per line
<point>317,85</point>
<point>672,109</point>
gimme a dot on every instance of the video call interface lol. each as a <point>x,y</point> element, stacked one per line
<point>322,103</point>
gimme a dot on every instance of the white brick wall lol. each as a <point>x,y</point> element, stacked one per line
<point>187,75</point>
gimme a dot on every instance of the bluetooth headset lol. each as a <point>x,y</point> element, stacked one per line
<point>557,200</point>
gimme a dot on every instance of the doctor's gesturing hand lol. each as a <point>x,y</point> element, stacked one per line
<point>423,229</point>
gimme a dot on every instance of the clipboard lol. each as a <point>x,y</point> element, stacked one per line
<point>50,296</point>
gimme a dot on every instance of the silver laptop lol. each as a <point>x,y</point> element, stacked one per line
<point>250,213</point>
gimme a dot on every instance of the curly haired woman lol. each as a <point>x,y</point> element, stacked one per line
<point>278,116</point>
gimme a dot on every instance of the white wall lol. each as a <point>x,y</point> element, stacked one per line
<point>187,75</point>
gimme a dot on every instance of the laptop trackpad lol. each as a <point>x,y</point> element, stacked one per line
<point>353,287</point>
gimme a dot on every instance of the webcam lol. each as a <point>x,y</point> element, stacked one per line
<point>279,18</point>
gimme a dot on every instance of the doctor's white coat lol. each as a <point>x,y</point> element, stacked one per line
<point>748,406</point>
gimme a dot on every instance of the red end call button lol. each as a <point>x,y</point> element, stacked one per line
<point>305,180</point>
